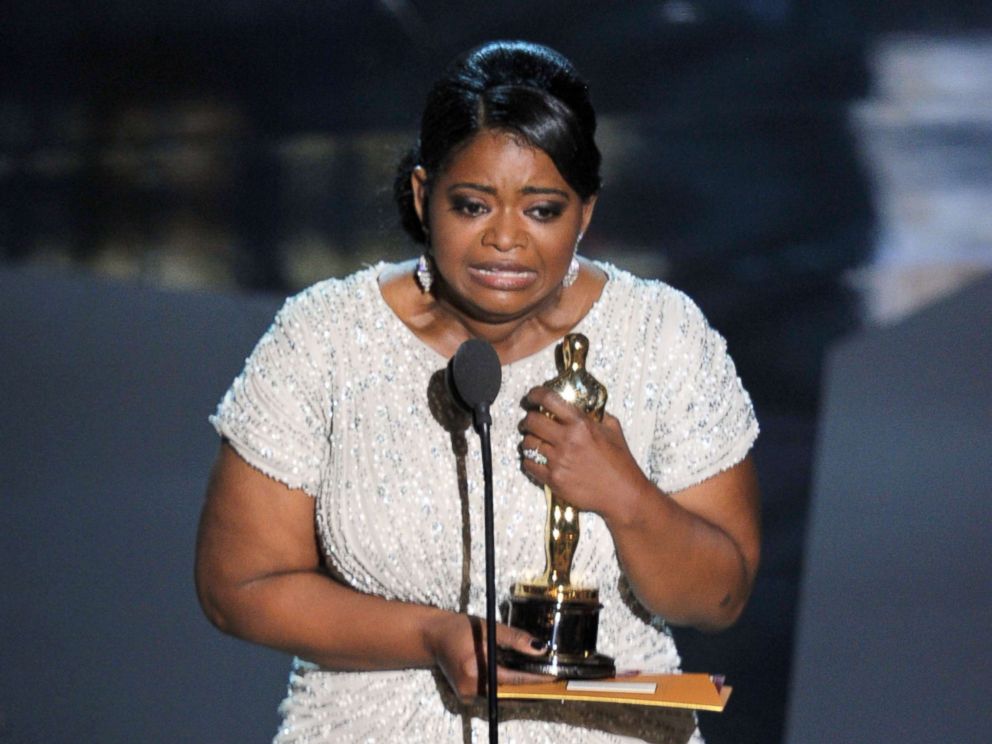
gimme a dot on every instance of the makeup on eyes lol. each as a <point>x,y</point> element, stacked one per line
<point>543,211</point>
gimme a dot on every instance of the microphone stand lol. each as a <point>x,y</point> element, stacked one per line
<point>482,423</point>
<point>473,376</point>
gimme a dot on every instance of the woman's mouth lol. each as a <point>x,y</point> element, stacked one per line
<point>502,276</point>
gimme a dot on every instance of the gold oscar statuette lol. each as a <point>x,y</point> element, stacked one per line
<point>551,608</point>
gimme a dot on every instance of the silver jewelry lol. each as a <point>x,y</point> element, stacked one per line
<point>425,277</point>
<point>572,274</point>
<point>533,454</point>
<point>573,267</point>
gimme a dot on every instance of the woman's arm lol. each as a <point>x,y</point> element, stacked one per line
<point>258,577</point>
<point>690,556</point>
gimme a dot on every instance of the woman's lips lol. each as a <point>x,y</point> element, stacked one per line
<point>502,276</point>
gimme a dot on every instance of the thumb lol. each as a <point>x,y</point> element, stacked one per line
<point>612,423</point>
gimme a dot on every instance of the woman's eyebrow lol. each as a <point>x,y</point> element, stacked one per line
<point>544,190</point>
<point>526,190</point>
<point>473,186</point>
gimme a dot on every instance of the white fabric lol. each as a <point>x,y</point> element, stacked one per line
<point>340,399</point>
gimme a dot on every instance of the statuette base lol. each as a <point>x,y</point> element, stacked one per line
<point>567,620</point>
<point>559,666</point>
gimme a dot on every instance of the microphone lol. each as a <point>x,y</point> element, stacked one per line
<point>474,376</point>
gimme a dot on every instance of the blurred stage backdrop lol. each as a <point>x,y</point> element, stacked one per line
<point>803,169</point>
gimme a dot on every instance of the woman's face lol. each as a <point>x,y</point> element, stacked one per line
<point>503,226</point>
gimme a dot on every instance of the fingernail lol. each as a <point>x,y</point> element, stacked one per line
<point>538,645</point>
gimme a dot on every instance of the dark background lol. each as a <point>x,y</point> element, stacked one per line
<point>159,161</point>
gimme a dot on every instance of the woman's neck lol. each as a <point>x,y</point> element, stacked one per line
<point>444,326</point>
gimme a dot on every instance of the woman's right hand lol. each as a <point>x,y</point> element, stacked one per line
<point>259,577</point>
<point>458,645</point>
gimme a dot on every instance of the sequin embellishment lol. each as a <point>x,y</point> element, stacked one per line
<point>340,399</point>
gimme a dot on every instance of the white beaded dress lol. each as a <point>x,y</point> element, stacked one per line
<point>340,399</point>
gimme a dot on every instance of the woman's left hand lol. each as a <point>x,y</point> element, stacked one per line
<point>690,555</point>
<point>586,462</point>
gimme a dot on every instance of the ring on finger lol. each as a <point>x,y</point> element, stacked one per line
<point>533,454</point>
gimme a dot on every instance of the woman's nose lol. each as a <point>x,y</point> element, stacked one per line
<point>505,233</point>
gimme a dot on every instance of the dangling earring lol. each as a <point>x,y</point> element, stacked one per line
<point>425,277</point>
<point>573,267</point>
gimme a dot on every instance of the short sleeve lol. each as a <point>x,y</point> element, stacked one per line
<point>276,413</point>
<point>709,424</point>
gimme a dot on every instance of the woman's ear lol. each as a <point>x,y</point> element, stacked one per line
<point>587,209</point>
<point>418,184</point>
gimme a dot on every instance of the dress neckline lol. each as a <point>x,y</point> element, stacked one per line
<point>411,339</point>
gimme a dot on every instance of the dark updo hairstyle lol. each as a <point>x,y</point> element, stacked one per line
<point>525,89</point>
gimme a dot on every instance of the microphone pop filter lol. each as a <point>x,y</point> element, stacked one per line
<point>474,374</point>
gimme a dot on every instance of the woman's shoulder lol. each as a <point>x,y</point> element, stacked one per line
<point>353,286</point>
<point>650,299</point>
<point>336,297</point>
<point>330,314</point>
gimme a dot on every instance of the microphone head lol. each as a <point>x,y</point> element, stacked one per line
<point>474,374</point>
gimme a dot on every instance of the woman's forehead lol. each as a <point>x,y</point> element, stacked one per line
<point>497,158</point>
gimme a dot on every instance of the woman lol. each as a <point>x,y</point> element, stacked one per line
<point>343,517</point>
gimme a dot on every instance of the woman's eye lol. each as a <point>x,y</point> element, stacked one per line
<point>468,207</point>
<point>546,212</point>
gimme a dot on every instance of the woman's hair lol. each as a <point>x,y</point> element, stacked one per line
<point>527,90</point>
